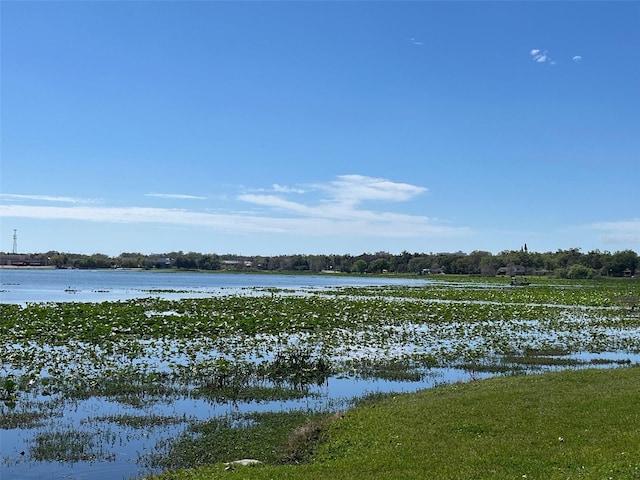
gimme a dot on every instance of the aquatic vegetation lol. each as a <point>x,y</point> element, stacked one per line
<point>159,346</point>
<point>138,421</point>
<point>271,345</point>
<point>11,419</point>
<point>412,368</point>
<point>70,446</point>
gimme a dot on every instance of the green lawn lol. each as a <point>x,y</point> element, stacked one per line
<point>576,424</point>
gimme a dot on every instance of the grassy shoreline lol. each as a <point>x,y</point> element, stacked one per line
<point>563,425</point>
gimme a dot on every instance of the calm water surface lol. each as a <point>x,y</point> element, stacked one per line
<point>34,285</point>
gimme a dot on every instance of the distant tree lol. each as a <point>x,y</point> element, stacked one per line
<point>566,258</point>
<point>419,264</point>
<point>578,271</point>
<point>95,261</point>
<point>619,262</point>
<point>561,272</point>
<point>378,265</point>
<point>130,262</point>
<point>209,262</point>
<point>489,265</point>
<point>299,263</point>
<point>318,263</point>
<point>187,261</point>
<point>59,260</point>
<point>343,263</point>
<point>593,259</point>
<point>560,262</point>
<point>259,263</point>
<point>400,263</point>
<point>359,266</point>
<point>448,262</point>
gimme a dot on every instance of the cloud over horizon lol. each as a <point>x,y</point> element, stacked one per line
<point>47,198</point>
<point>342,198</point>
<point>338,210</point>
<point>178,196</point>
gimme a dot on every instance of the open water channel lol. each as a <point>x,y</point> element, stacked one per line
<point>48,285</point>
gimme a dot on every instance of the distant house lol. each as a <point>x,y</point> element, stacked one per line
<point>237,263</point>
<point>543,271</point>
<point>18,260</point>
<point>511,270</point>
<point>163,262</point>
<point>431,271</point>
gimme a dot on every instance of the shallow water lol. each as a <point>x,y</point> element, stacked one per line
<point>121,452</point>
<point>49,285</point>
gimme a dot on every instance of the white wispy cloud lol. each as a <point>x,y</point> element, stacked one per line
<point>284,189</point>
<point>340,209</point>
<point>277,202</point>
<point>540,57</point>
<point>619,227</point>
<point>174,216</point>
<point>381,225</point>
<point>342,198</point>
<point>275,188</point>
<point>354,189</point>
<point>179,196</point>
<point>611,235</point>
<point>47,198</point>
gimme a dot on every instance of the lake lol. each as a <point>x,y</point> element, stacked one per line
<point>48,285</point>
<point>110,346</point>
<point>122,451</point>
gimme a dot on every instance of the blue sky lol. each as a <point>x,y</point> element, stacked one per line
<point>266,128</point>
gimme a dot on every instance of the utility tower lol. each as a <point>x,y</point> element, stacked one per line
<point>15,241</point>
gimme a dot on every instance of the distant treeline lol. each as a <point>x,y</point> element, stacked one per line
<point>571,263</point>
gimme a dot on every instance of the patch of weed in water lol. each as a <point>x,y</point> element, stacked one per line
<point>544,361</point>
<point>497,368</point>
<point>288,376</point>
<point>249,393</point>
<point>547,352</point>
<point>610,361</point>
<point>130,388</point>
<point>297,367</point>
<point>69,446</point>
<point>24,420</point>
<point>139,421</point>
<point>412,369</point>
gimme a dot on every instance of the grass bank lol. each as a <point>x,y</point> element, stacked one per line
<point>575,424</point>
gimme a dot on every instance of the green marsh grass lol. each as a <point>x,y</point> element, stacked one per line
<point>573,424</point>
<point>262,435</point>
